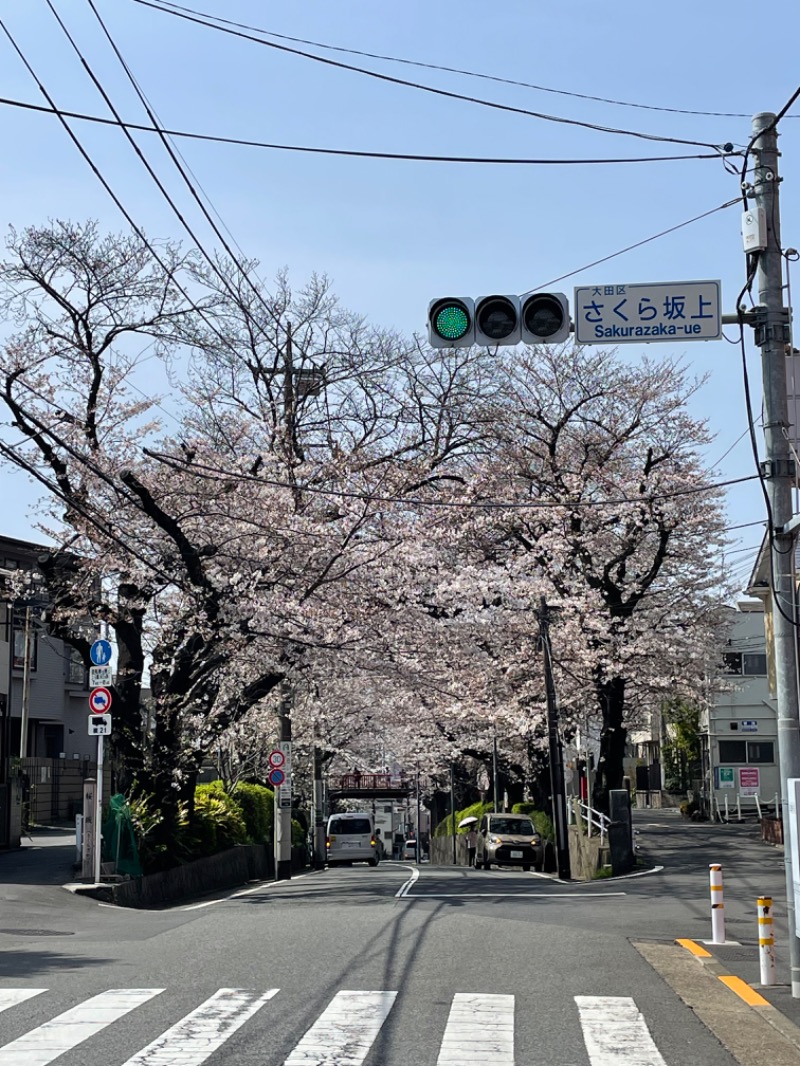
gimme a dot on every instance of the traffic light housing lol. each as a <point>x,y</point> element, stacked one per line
<point>497,320</point>
<point>545,318</point>
<point>451,322</point>
<point>536,318</point>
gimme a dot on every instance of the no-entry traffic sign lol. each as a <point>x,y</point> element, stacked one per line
<point>99,701</point>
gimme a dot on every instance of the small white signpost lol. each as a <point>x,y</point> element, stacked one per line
<point>100,675</point>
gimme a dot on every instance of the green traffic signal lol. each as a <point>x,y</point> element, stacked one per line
<point>451,321</point>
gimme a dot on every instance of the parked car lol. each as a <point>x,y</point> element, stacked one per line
<point>351,838</point>
<point>410,851</point>
<point>508,840</point>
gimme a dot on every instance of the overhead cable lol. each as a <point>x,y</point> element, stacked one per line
<point>456,70</point>
<point>354,153</point>
<point>493,104</point>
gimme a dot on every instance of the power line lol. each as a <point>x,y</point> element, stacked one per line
<point>457,70</point>
<point>494,105</point>
<point>353,153</point>
<point>215,474</point>
<point>638,244</point>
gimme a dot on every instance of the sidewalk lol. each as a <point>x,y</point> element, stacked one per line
<point>45,858</point>
<point>751,868</point>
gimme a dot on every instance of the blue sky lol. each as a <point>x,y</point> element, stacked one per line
<point>394,234</point>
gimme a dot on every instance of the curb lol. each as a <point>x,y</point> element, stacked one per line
<point>744,991</point>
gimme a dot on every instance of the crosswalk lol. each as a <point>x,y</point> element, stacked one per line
<point>479,1030</point>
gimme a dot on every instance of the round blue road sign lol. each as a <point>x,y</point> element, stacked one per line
<point>100,652</point>
<point>276,777</point>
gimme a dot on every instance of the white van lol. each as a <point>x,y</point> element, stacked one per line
<point>351,838</point>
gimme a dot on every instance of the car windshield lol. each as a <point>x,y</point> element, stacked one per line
<point>518,826</point>
<point>350,825</point>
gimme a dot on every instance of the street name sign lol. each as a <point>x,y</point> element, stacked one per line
<point>99,725</point>
<point>99,701</point>
<point>100,675</point>
<point>100,653</point>
<point>640,314</point>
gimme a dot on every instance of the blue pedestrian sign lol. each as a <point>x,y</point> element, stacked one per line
<point>640,314</point>
<point>100,652</point>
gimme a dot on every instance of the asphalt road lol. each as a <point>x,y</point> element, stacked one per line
<point>397,966</point>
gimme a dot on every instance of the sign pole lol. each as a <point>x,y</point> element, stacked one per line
<point>98,817</point>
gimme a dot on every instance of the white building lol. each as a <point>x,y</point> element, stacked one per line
<point>741,757</point>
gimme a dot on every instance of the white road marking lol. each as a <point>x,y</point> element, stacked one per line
<point>46,1042</point>
<point>262,886</point>
<point>479,1031</point>
<point>615,1033</point>
<point>409,884</point>
<point>10,997</point>
<point>509,895</point>
<point>345,1031</point>
<point>197,1036</point>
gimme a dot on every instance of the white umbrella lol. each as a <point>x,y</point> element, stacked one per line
<point>467,821</point>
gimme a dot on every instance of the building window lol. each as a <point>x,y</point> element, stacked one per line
<point>751,664</point>
<point>19,648</point>
<point>732,751</point>
<point>76,671</point>
<point>746,751</point>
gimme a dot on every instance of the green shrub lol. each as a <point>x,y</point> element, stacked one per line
<point>542,822</point>
<point>298,834</point>
<point>258,807</point>
<point>475,810</point>
<point>218,823</point>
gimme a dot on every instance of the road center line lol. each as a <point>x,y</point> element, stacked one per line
<point>509,895</point>
<point>407,885</point>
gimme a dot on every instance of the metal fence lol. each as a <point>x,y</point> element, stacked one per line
<point>52,789</point>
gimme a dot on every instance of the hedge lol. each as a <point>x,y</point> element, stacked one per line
<point>258,807</point>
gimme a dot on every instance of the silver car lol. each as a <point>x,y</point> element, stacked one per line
<point>508,840</point>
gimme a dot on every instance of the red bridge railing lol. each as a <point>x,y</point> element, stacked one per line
<point>370,781</point>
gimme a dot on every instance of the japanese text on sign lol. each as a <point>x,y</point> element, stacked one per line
<point>687,310</point>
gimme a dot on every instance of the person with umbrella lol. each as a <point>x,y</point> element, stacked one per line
<point>472,838</point>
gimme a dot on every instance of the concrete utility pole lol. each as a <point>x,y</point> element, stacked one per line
<point>559,801</point>
<point>283,810</point>
<point>771,322</point>
<point>495,785</point>
<point>26,687</point>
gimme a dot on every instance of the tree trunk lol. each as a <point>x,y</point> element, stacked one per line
<point>610,772</point>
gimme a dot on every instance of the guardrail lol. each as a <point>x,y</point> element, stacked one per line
<point>594,822</point>
<point>370,781</point>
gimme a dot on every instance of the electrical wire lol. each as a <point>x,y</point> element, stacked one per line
<point>457,70</point>
<point>216,474</point>
<point>116,200</point>
<point>150,170</point>
<point>424,88</point>
<point>638,244</point>
<point>355,153</point>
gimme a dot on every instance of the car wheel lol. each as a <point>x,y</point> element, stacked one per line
<point>373,862</point>
<point>526,869</point>
<point>486,864</point>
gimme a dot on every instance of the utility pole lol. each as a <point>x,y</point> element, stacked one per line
<point>26,686</point>
<point>495,783</point>
<point>778,470</point>
<point>283,793</point>
<point>452,811</point>
<point>556,754</point>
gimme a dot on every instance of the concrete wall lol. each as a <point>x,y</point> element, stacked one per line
<point>585,854</point>
<point>442,850</point>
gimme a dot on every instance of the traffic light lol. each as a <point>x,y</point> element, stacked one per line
<point>538,318</point>
<point>545,318</point>
<point>451,322</point>
<point>497,320</point>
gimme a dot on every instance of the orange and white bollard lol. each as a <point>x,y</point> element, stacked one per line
<point>717,905</point>
<point>766,940</point>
